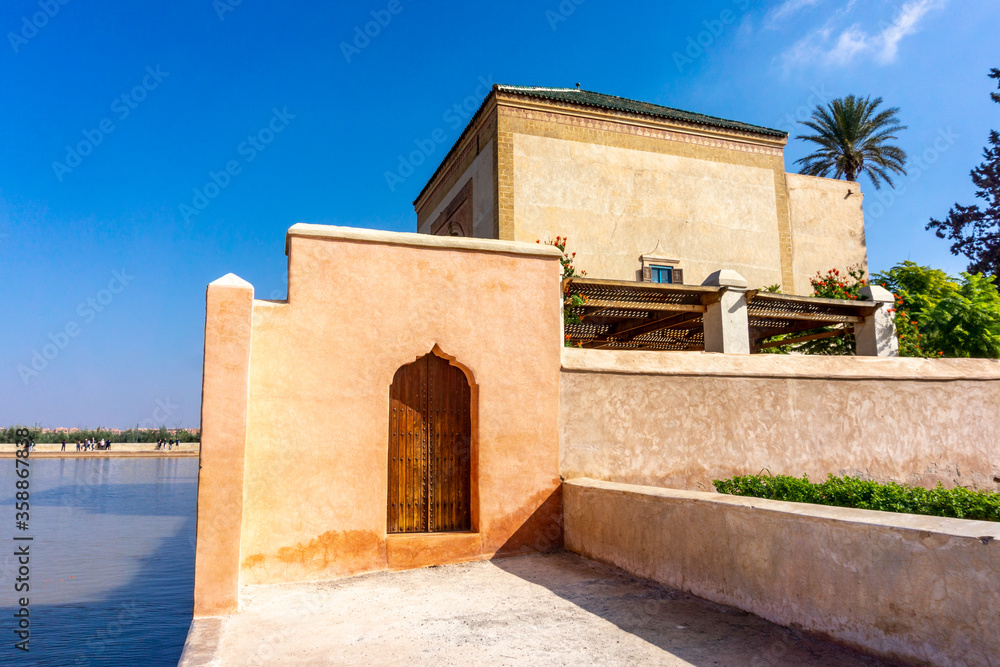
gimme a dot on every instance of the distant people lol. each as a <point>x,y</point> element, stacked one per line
<point>63,449</point>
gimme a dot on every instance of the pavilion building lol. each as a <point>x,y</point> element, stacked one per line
<point>644,192</point>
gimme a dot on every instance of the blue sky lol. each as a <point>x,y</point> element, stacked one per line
<point>105,251</point>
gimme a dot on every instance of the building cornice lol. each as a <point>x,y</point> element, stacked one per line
<point>532,103</point>
<point>498,97</point>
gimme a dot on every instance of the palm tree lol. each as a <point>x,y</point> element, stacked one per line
<point>852,136</point>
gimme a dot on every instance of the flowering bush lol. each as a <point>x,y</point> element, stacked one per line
<point>941,316</point>
<point>571,298</point>
<point>835,285</point>
<point>847,285</point>
<point>936,315</point>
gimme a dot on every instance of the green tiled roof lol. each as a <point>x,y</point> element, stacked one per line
<point>614,103</point>
<point>602,101</point>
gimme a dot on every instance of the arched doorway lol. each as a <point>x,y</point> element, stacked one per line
<point>430,448</point>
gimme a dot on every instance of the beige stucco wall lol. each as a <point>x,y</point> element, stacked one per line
<point>483,196</point>
<point>618,183</point>
<point>920,590</point>
<point>828,227</point>
<point>682,419</point>
<point>225,382</point>
<point>616,203</point>
<point>361,304</point>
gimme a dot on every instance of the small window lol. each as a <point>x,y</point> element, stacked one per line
<point>661,274</point>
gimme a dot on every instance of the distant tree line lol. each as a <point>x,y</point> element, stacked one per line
<point>7,435</point>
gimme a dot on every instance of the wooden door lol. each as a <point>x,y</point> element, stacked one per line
<point>429,448</point>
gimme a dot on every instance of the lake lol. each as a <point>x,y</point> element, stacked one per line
<point>112,560</point>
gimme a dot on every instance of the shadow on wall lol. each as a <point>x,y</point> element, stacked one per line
<point>540,532</point>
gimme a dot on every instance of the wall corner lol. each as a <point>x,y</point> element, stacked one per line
<point>224,409</point>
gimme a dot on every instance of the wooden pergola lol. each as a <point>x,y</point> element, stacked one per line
<point>622,315</point>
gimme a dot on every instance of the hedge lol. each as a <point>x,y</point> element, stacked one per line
<point>957,503</point>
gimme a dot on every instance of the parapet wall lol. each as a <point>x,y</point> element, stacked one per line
<point>917,589</point>
<point>682,419</point>
<point>296,406</point>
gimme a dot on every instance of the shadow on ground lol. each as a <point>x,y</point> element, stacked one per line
<point>690,628</point>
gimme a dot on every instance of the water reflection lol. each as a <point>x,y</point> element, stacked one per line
<point>112,560</point>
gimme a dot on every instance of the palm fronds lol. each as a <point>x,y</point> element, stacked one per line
<point>851,137</point>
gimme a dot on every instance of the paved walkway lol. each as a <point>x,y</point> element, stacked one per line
<point>118,450</point>
<point>552,609</point>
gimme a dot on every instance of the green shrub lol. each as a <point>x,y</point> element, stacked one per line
<point>957,503</point>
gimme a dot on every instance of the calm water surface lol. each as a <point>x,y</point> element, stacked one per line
<point>112,560</point>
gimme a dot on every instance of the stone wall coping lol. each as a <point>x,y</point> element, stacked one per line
<point>629,362</point>
<point>967,528</point>
<point>305,230</point>
<point>231,280</point>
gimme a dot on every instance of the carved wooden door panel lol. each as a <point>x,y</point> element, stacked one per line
<point>429,448</point>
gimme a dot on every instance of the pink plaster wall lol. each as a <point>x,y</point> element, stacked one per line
<point>229,309</point>
<point>321,365</point>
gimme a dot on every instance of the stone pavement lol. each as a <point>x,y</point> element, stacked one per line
<point>547,609</point>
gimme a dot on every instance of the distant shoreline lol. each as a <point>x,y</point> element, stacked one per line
<point>51,450</point>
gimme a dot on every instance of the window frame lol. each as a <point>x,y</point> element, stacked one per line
<point>658,271</point>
